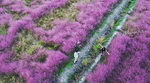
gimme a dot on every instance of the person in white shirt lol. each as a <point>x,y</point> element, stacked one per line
<point>76,54</point>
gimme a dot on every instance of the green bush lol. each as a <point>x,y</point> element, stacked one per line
<point>56,47</point>
<point>85,62</point>
<point>30,51</point>
<point>96,47</point>
<point>17,49</point>
<point>50,48</point>
<point>101,40</point>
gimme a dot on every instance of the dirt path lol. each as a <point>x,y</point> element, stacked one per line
<point>99,56</point>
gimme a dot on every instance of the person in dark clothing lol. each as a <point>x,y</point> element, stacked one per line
<point>103,49</point>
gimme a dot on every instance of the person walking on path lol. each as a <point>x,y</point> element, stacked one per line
<point>76,54</point>
<point>103,49</point>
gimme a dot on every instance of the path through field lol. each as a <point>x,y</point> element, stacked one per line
<point>84,52</point>
<point>118,29</point>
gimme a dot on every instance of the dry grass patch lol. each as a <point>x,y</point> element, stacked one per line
<point>24,45</point>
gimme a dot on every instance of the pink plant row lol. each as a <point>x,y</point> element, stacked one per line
<point>81,28</point>
<point>102,70</point>
<point>30,68</point>
<point>69,35</point>
<point>64,33</point>
<point>35,10</point>
<point>25,22</point>
<point>129,59</point>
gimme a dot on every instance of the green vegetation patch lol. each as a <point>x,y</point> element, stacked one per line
<point>66,65</point>
<point>86,61</point>
<point>132,3</point>
<point>15,15</point>
<point>24,44</point>
<point>95,50</point>
<point>3,29</point>
<point>28,2</point>
<point>11,78</point>
<point>49,45</point>
<point>103,58</point>
<point>128,6</point>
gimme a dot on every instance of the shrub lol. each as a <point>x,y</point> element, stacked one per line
<point>85,62</point>
<point>101,40</point>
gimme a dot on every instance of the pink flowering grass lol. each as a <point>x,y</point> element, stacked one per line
<point>128,61</point>
<point>31,68</point>
<point>102,70</point>
<point>43,65</point>
<point>71,34</point>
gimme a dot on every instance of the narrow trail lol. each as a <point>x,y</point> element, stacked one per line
<point>118,29</point>
<point>63,78</point>
<point>96,60</point>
